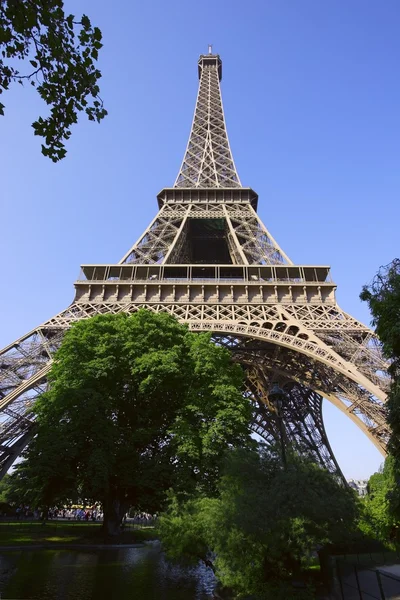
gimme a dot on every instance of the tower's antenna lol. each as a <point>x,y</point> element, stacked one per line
<point>209,48</point>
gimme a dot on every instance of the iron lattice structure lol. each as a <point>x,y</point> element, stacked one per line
<point>208,260</point>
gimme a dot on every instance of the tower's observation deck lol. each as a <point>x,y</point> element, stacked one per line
<point>210,60</point>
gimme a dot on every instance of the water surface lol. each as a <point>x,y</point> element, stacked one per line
<point>123,574</point>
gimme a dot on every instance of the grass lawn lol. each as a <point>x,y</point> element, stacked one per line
<point>67,532</point>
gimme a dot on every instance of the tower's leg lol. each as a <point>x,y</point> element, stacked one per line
<point>23,370</point>
<point>303,425</point>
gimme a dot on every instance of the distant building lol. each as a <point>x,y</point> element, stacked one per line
<point>359,485</point>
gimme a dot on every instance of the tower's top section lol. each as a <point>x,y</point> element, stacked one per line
<point>208,161</point>
<point>207,60</point>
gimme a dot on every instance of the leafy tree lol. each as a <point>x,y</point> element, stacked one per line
<point>383,298</point>
<point>10,496</point>
<point>136,405</point>
<point>61,52</point>
<point>5,489</point>
<point>264,524</point>
<point>378,518</point>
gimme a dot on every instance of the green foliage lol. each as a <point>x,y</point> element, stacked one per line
<point>378,520</point>
<point>137,405</point>
<point>62,53</point>
<point>6,489</point>
<point>264,524</point>
<point>383,297</point>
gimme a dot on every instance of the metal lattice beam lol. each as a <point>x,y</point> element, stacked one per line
<point>208,161</point>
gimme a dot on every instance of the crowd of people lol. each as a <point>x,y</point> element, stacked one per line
<point>144,519</point>
<point>79,513</point>
<point>70,514</point>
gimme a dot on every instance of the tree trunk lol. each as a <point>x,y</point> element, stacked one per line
<point>114,512</point>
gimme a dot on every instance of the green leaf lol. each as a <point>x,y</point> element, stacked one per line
<point>65,52</point>
<point>85,21</point>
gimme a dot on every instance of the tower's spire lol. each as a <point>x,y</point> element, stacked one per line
<point>208,161</point>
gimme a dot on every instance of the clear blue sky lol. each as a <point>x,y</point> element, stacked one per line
<point>311,92</point>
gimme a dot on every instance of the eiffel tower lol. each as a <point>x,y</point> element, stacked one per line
<point>208,260</point>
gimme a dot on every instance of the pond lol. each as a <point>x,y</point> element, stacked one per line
<point>115,573</point>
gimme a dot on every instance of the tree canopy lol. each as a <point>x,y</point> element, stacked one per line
<point>61,52</point>
<point>383,298</point>
<point>264,523</point>
<point>136,405</point>
<point>378,519</point>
